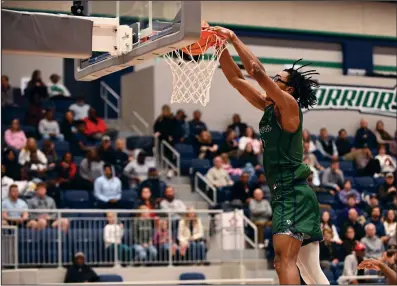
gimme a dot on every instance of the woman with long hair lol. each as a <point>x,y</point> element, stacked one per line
<point>382,136</point>
<point>49,151</point>
<point>230,145</point>
<point>67,170</point>
<point>306,138</point>
<point>327,224</point>
<point>348,242</point>
<point>390,223</point>
<point>31,147</point>
<point>252,138</point>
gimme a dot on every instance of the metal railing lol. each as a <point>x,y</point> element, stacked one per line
<point>9,246</point>
<point>105,91</point>
<point>168,153</point>
<point>136,116</point>
<point>373,278</point>
<point>159,238</point>
<point>205,189</point>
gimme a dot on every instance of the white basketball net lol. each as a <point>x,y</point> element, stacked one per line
<point>191,79</point>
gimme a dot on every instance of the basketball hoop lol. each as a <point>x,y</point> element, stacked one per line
<point>192,77</point>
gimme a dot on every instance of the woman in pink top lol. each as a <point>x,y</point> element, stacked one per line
<point>15,137</point>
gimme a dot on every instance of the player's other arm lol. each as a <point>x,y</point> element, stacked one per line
<point>237,80</point>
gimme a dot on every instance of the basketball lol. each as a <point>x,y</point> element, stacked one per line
<point>207,40</point>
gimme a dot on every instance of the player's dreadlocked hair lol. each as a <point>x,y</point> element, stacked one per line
<point>303,84</point>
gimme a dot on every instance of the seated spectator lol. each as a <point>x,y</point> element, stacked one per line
<point>342,143</point>
<point>36,87</point>
<point>371,202</point>
<point>91,167</point>
<point>326,146</point>
<point>314,183</point>
<point>315,177</point>
<point>261,214</point>
<point>80,142</point>
<point>241,191</point>
<point>121,158</point>
<point>49,127</point>
<point>95,127</point>
<point>261,183</point>
<point>31,147</point>
<point>382,136</point>
<point>349,242</point>
<point>387,191</point>
<point>326,224</point>
<point>390,223</point>
<point>306,138</point>
<point>106,151</point>
<point>67,127</point>
<point>328,251</point>
<point>387,162</point>
<point>164,126</point>
<point>107,189</point>
<point>218,176</point>
<point>153,182</point>
<point>352,221</point>
<point>348,191</point>
<point>196,126</point>
<point>373,245</point>
<point>34,114</point>
<point>56,88</point>
<point>206,148</point>
<point>35,168</point>
<point>333,176</point>
<point>181,131</point>
<point>80,108</point>
<point>364,137</point>
<point>137,170</point>
<point>66,170</point>
<point>15,137</point>
<point>249,157</point>
<point>228,167</point>
<point>147,200</point>
<point>7,92</point>
<point>171,204</point>
<point>237,126</point>
<point>312,159</point>
<point>162,239</point>
<point>250,137</point>
<point>351,203</point>
<point>113,235</point>
<point>352,261</point>
<point>50,153</point>
<point>143,236</point>
<point>43,202</point>
<point>191,236</point>
<point>80,272</point>
<point>7,182</point>
<point>12,203</point>
<point>393,146</point>
<point>10,161</point>
<point>230,145</point>
<point>375,219</point>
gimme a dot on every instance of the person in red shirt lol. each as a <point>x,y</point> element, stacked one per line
<point>95,127</point>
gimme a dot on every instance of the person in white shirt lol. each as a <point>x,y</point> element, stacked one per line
<point>191,236</point>
<point>31,147</point>
<point>170,203</point>
<point>306,138</point>
<point>137,170</point>
<point>217,175</point>
<point>113,234</point>
<point>55,88</point>
<point>387,162</point>
<point>250,137</point>
<point>49,127</point>
<point>390,223</point>
<point>80,108</point>
<point>6,182</point>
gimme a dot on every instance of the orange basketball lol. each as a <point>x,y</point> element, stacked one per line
<point>207,40</point>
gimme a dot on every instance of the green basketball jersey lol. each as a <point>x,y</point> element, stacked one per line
<point>283,151</point>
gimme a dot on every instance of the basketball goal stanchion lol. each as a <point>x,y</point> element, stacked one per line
<point>193,68</point>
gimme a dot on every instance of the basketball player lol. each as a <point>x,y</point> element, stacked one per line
<point>296,213</point>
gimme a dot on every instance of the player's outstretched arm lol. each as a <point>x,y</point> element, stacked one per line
<point>285,102</point>
<point>377,265</point>
<point>237,80</point>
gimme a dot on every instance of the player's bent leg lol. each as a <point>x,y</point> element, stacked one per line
<point>286,250</point>
<point>308,263</point>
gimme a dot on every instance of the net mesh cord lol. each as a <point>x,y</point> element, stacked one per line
<point>191,79</point>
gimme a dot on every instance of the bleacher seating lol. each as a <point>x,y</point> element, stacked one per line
<point>110,278</point>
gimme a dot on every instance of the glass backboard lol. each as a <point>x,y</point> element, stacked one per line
<point>165,25</point>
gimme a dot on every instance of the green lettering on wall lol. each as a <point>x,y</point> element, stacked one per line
<point>359,98</point>
<point>347,97</point>
<point>333,96</point>
<point>320,94</point>
<point>368,102</point>
<point>385,100</point>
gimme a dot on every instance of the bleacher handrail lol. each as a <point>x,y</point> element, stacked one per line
<point>198,176</point>
<point>143,122</point>
<point>105,90</point>
<point>163,159</point>
<point>124,211</point>
<point>343,279</point>
<point>254,243</point>
<point>15,229</point>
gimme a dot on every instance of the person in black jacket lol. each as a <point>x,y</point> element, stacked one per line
<point>342,143</point>
<point>67,126</point>
<point>164,127</point>
<point>328,250</point>
<point>79,272</point>
<point>237,126</point>
<point>241,191</point>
